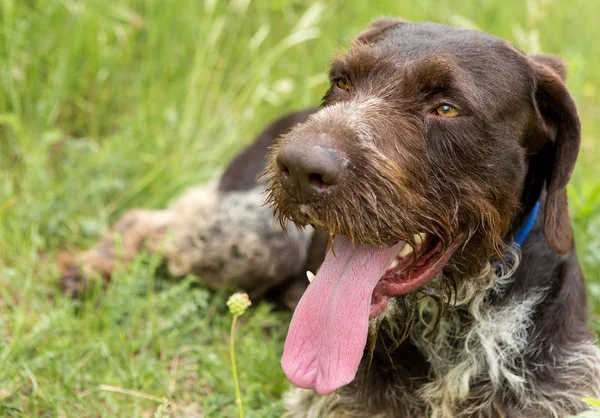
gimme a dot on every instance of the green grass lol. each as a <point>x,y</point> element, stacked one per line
<point>107,105</point>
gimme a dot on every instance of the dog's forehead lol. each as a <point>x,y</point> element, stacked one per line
<point>477,61</point>
<point>410,41</point>
<point>473,51</point>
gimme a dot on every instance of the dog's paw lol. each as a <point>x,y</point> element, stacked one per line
<point>77,273</point>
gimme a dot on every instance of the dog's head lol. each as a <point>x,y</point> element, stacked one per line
<point>431,146</point>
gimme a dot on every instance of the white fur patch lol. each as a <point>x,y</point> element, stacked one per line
<point>357,115</point>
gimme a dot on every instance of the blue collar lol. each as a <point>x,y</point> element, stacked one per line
<point>523,232</point>
<point>521,235</point>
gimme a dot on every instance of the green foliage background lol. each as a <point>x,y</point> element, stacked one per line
<point>108,105</point>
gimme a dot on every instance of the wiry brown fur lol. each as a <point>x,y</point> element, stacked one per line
<point>481,340</point>
<point>392,178</point>
<point>393,191</point>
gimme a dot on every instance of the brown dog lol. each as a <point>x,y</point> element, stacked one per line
<point>437,153</point>
<point>436,168</point>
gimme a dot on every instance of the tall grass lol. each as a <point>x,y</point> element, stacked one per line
<point>107,105</point>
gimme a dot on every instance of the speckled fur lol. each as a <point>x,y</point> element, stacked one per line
<point>233,238</point>
<point>225,238</point>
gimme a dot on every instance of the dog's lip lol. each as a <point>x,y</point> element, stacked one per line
<point>407,277</point>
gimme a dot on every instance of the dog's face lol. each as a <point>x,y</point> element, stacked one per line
<point>431,144</point>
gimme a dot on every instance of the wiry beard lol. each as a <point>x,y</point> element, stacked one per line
<point>395,324</point>
<point>376,207</point>
<point>421,311</point>
<point>384,204</point>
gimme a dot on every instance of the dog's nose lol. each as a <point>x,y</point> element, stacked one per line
<point>308,168</point>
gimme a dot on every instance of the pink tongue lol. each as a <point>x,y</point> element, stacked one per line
<point>328,332</point>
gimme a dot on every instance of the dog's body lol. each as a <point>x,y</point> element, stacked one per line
<point>494,330</point>
<point>220,231</point>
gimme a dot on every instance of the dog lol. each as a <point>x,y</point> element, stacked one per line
<point>430,189</point>
<point>438,164</point>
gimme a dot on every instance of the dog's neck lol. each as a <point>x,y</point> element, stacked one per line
<point>504,338</point>
<point>498,341</point>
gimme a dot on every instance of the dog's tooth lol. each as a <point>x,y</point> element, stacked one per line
<point>419,238</point>
<point>406,250</point>
<point>310,276</point>
<point>392,265</point>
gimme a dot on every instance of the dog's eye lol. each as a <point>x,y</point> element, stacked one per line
<point>342,83</point>
<point>447,111</point>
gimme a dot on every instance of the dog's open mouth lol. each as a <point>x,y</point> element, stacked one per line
<point>328,332</point>
<point>406,273</point>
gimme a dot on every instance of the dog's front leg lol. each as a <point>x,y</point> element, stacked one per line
<point>135,231</point>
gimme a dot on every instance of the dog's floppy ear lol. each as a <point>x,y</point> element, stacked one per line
<point>553,62</point>
<point>560,122</point>
<point>377,28</point>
